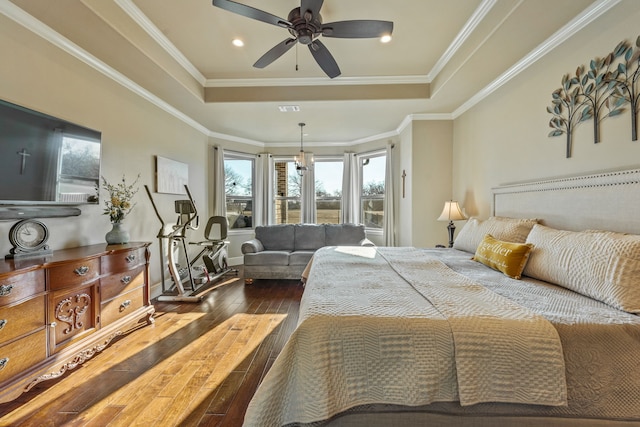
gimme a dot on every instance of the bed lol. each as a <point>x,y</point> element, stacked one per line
<point>542,331</point>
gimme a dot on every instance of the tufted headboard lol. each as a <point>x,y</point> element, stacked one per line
<point>603,201</point>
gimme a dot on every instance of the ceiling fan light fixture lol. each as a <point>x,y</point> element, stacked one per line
<point>386,38</point>
<point>305,26</point>
<point>238,42</point>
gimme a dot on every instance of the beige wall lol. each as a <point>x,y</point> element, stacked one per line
<point>430,170</point>
<point>504,138</point>
<point>404,217</point>
<point>37,75</point>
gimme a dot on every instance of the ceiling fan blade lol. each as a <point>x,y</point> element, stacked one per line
<point>313,6</point>
<point>251,12</point>
<point>359,29</point>
<point>324,58</point>
<point>274,53</point>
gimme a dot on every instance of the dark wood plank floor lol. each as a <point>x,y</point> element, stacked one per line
<point>198,365</point>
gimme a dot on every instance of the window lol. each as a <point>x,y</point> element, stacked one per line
<point>238,187</point>
<point>328,176</point>
<point>372,191</point>
<point>80,158</point>
<point>287,191</point>
<point>79,169</point>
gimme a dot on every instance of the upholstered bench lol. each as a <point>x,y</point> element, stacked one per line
<point>283,251</point>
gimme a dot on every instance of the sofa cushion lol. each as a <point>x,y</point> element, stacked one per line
<point>309,237</point>
<point>276,237</point>
<point>343,234</point>
<point>300,257</point>
<point>252,246</point>
<point>267,258</point>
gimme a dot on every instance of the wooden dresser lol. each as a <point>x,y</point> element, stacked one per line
<point>58,311</point>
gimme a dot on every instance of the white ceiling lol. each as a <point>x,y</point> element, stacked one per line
<point>445,55</point>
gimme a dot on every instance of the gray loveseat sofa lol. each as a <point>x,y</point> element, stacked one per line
<point>283,251</point>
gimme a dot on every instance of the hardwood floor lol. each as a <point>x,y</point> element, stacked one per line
<point>198,365</point>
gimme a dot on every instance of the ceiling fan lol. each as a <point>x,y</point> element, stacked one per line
<point>305,25</point>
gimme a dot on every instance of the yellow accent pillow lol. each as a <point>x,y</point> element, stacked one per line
<point>509,258</point>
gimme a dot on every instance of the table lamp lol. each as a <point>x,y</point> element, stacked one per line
<point>451,212</point>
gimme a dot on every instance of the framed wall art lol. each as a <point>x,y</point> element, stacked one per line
<point>171,176</point>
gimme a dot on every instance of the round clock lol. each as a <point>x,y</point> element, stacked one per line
<point>29,235</point>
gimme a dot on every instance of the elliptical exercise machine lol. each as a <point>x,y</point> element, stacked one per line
<point>191,285</point>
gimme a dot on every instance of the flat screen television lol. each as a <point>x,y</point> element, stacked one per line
<point>46,161</point>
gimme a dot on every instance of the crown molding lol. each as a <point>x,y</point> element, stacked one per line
<point>21,17</point>
<point>586,17</point>
<point>129,7</point>
<point>318,81</point>
<point>232,138</point>
<point>308,144</point>
<point>145,23</point>
<point>421,117</point>
<point>468,28</point>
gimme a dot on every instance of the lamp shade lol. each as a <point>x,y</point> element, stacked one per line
<point>451,212</point>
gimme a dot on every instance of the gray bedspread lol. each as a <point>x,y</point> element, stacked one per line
<point>360,314</point>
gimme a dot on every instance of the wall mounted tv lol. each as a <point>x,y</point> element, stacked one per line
<point>46,161</point>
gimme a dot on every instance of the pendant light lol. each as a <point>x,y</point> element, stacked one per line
<point>300,160</point>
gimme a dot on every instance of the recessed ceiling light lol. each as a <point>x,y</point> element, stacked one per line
<point>386,38</point>
<point>238,42</point>
<point>289,108</point>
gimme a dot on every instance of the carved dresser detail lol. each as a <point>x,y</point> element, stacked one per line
<point>58,311</point>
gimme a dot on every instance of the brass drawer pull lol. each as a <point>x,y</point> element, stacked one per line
<point>3,323</point>
<point>130,258</point>
<point>3,363</point>
<point>126,280</point>
<point>5,290</point>
<point>125,305</point>
<point>81,271</point>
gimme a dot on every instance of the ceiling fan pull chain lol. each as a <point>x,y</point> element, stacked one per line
<point>296,56</point>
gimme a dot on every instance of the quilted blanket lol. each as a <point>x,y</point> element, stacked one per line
<point>396,326</point>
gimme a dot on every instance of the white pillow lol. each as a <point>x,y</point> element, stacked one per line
<point>513,230</point>
<point>602,265</point>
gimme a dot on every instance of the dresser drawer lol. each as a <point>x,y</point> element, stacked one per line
<point>22,354</point>
<point>19,286</point>
<point>74,313</point>
<point>21,319</point>
<point>74,273</point>
<point>122,261</point>
<point>121,306</point>
<point>115,284</point>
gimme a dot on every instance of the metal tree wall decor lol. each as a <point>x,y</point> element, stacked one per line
<point>567,110</point>
<point>627,79</point>
<point>597,93</point>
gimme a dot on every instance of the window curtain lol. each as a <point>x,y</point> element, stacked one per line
<point>389,219</point>
<point>308,196</point>
<point>219,195</point>
<point>350,212</point>
<point>263,192</point>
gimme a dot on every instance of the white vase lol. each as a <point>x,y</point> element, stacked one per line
<point>117,235</point>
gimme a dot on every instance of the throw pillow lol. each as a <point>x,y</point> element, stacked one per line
<point>503,228</point>
<point>509,258</point>
<point>603,265</point>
